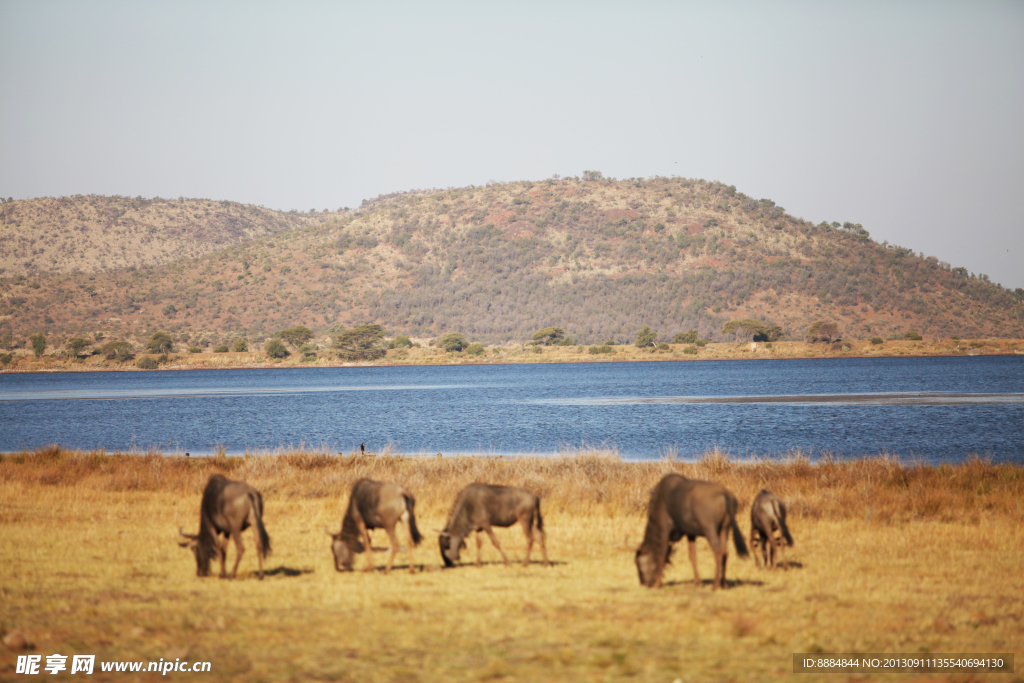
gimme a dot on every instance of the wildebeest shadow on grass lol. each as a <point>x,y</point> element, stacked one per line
<point>287,571</point>
<point>473,565</point>
<point>729,583</point>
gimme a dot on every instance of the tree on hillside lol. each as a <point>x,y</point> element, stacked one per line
<point>117,350</point>
<point>645,337</point>
<point>548,336</point>
<point>744,327</point>
<point>686,337</point>
<point>38,343</point>
<point>823,331</point>
<point>160,342</point>
<point>452,342</point>
<point>76,344</point>
<point>771,333</point>
<point>240,345</point>
<point>361,343</point>
<point>400,341</point>
<point>296,336</point>
<point>275,348</point>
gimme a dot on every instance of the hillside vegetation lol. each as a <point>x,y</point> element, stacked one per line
<point>596,257</point>
<point>92,233</point>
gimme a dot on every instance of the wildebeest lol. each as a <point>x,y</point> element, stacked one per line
<point>482,506</point>
<point>687,507</point>
<point>768,514</point>
<point>374,505</point>
<point>228,508</point>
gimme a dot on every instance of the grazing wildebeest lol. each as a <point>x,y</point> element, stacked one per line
<point>374,505</point>
<point>228,508</point>
<point>481,506</point>
<point>768,514</point>
<point>687,507</point>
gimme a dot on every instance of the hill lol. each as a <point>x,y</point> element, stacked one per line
<point>596,256</point>
<point>91,233</point>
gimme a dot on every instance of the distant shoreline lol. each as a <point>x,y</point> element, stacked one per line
<point>525,355</point>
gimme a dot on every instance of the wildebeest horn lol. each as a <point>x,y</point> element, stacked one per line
<point>189,536</point>
<point>329,532</point>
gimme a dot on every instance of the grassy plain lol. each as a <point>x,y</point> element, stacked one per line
<point>889,557</point>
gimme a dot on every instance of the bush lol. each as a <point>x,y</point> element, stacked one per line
<point>6,358</point>
<point>701,342</point>
<point>365,342</point>
<point>475,349</point>
<point>606,348</point>
<point>117,350</point>
<point>912,336</point>
<point>400,342</point>
<point>296,336</point>
<point>146,363</point>
<point>534,349</point>
<point>196,349</point>
<point>645,337</point>
<point>223,348</point>
<point>240,345</point>
<point>452,342</point>
<point>690,350</point>
<point>76,345</point>
<point>160,342</point>
<point>876,340</point>
<point>38,343</point>
<point>548,336</point>
<point>275,348</point>
<point>686,337</point>
<point>663,347</point>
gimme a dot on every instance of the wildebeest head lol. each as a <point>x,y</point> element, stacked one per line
<point>344,551</point>
<point>646,567</point>
<point>199,549</point>
<point>450,554</point>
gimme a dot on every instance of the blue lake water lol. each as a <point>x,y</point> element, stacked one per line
<point>936,409</point>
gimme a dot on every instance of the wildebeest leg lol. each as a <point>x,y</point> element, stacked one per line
<point>220,546</point>
<point>691,546</point>
<point>479,547</point>
<point>368,545</point>
<point>494,540</point>
<point>528,530</point>
<point>721,557</point>
<point>394,547</point>
<point>412,543</point>
<point>239,550</point>
<point>543,547</point>
<point>782,553</point>
<point>753,545</point>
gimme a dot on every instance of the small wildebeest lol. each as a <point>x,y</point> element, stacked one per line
<point>768,515</point>
<point>228,508</point>
<point>687,507</point>
<point>481,506</point>
<point>374,505</point>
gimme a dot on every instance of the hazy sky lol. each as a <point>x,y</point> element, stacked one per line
<point>906,117</point>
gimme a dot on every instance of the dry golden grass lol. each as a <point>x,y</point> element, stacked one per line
<point>889,557</point>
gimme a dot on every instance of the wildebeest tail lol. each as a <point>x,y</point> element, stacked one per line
<point>737,535</point>
<point>256,500</point>
<point>410,503</point>
<point>536,512</point>
<point>780,515</point>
